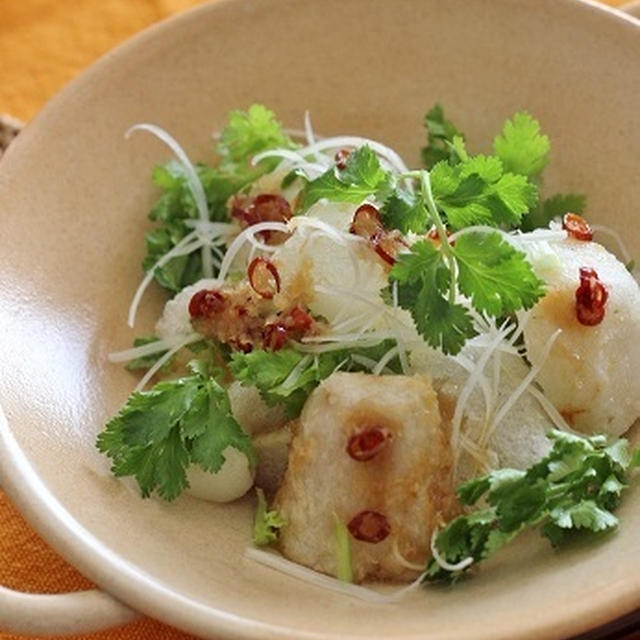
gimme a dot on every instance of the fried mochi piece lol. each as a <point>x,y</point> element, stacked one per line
<point>408,481</point>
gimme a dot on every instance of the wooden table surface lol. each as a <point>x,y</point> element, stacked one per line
<point>43,44</point>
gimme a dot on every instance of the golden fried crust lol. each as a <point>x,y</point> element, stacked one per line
<point>409,481</point>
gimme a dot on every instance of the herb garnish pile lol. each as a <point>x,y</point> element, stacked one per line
<point>458,265</point>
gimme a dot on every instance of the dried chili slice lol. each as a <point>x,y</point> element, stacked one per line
<point>386,246</point>
<point>267,207</point>
<point>591,298</point>
<point>366,222</point>
<point>206,302</point>
<point>369,526</point>
<point>298,320</point>
<point>577,227</point>
<point>274,336</point>
<point>368,443</point>
<point>264,277</point>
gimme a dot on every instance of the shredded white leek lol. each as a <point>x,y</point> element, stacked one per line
<point>364,361</point>
<point>193,181</point>
<point>295,161</point>
<point>245,236</point>
<point>526,381</point>
<point>479,455</point>
<point>302,223</point>
<point>150,348</point>
<point>165,358</point>
<point>340,325</point>
<point>469,366</point>
<point>317,579</point>
<point>308,129</point>
<point>365,341</point>
<point>468,388</point>
<point>385,360</point>
<point>296,372</point>
<point>388,155</point>
<point>347,338</point>
<point>413,566</point>
<point>459,566</point>
<point>181,248</point>
<point>554,415</point>
<point>515,238</point>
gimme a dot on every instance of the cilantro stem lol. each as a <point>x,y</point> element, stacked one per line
<point>427,196</point>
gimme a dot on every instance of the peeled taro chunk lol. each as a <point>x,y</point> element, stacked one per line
<point>372,452</point>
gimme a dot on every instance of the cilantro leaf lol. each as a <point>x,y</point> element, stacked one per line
<point>498,278</point>
<point>521,146</point>
<point>445,325</point>
<point>511,197</point>
<point>424,262</point>
<point>266,523</point>
<point>586,514</point>
<point>158,433</point>
<point>463,198</point>
<point>248,133</point>
<point>362,176</point>
<point>268,370</point>
<point>477,192</point>
<point>161,465</point>
<point>571,490</point>
<point>423,278</point>
<point>440,137</point>
<point>472,490</point>
<point>405,211</point>
<point>287,377</point>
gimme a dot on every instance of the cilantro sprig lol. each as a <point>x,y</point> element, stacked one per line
<point>493,275</point>
<point>521,148</point>
<point>246,134</point>
<point>160,432</point>
<point>571,491</point>
<point>361,177</point>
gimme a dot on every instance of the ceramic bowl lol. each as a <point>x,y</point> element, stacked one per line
<point>73,199</point>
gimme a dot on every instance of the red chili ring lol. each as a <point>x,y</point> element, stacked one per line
<point>366,221</point>
<point>378,242</point>
<point>369,526</point>
<point>368,443</point>
<point>272,269</point>
<point>298,320</point>
<point>274,336</point>
<point>577,227</point>
<point>206,302</point>
<point>591,298</point>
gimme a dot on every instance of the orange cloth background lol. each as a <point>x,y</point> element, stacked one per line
<point>43,44</point>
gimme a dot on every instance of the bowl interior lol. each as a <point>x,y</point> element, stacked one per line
<point>74,196</point>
